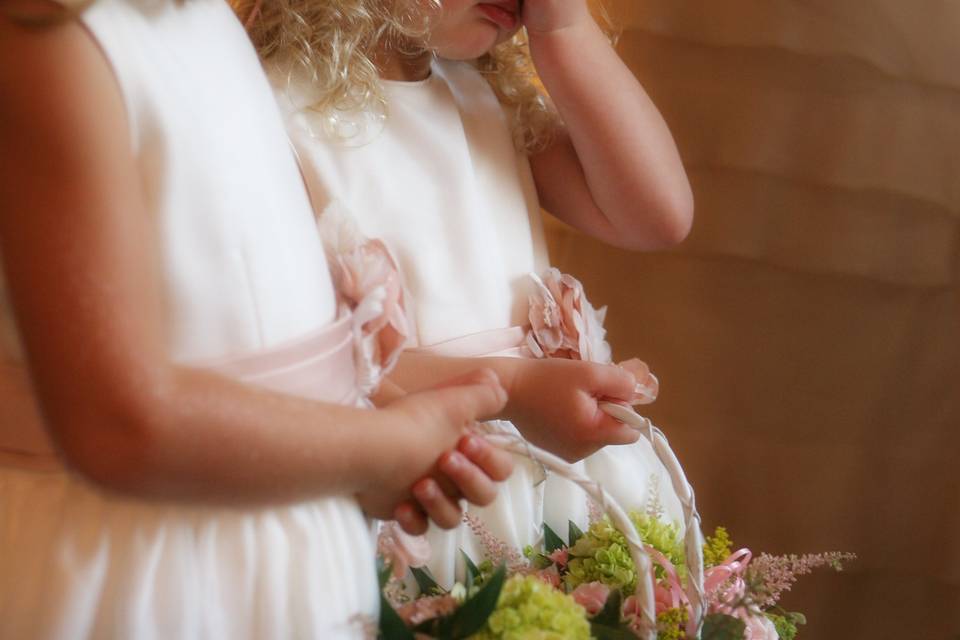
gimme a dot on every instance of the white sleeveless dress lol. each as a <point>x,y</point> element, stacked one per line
<point>246,281</point>
<point>441,183</point>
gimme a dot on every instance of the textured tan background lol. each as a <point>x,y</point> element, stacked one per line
<point>807,335</point>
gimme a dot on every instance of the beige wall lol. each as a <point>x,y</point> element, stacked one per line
<point>807,335</point>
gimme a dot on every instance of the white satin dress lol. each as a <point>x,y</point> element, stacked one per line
<point>248,293</point>
<point>440,181</point>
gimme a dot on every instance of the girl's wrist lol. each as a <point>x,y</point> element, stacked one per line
<point>564,35</point>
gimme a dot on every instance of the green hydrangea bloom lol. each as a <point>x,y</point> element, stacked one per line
<point>717,548</point>
<point>530,609</point>
<point>786,628</point>
<point>671,624</point>
<point>663,537</point>
<point>602,554</point>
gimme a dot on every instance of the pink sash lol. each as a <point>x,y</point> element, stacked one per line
<point>319,366</point>
<point>510,342</point>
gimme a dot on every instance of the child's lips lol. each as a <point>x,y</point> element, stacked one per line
<point>502,14</point>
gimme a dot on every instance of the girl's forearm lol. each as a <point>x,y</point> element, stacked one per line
<point>418,371</point>
<point>628,157</point>
<point>202,437</point>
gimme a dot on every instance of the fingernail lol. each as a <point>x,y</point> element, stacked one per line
<point>454,461</point>
<point>648,390</point>
<point>426,491</point>
<point>470,445</point>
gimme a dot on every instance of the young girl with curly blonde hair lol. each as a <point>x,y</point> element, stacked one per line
<point>429,123</point>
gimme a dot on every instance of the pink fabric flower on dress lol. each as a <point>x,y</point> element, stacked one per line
<point>591,596</point>
<point>401,550</point>
<point>563,322</point>
<point>369,281</point>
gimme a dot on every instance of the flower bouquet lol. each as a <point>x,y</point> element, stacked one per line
<point>626,576</point>
<point>585,587</point>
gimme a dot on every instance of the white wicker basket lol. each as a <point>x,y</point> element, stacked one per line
<point>693,538</point>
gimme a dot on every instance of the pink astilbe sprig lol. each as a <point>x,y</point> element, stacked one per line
<point>494,549</point>
<point>769,576</point>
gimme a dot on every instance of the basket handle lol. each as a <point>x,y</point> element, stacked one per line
<point>693,536</point>
<point>641,559</point>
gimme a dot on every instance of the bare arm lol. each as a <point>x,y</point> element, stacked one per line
<point>614,172</point>
<point>554,402</point>
<point>81,261</point>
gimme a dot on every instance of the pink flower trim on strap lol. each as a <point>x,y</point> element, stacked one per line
<point>368,280</point>
<point>369,283</point>
<point>563,323</point>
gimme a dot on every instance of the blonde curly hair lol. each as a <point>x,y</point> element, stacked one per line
<point>335,40</point>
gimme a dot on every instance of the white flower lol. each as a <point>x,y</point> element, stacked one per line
<point>759,627</point>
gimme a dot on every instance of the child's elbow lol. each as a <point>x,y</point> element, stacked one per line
<point>668,223</point>
<point>112,448</point>
<point>677,219</point>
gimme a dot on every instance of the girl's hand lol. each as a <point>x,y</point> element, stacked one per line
<point>542,17</point>
<point>471,471</point>
<point>436,460</point>
<point>555,404</point>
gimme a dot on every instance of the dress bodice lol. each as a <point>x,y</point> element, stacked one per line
<point>242,262</point>
<point>441,183</point>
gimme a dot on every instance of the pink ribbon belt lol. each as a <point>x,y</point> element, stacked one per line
<point>319,366</point>
<point>505,343</point>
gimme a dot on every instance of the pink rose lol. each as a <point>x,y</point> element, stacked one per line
<point>563,322</point>
<point>591,596</point>
<point>550,575</point>
<point>427,608</point>
<point>631,613</point>
<point>560,556</point>
<point>663,599</point>
<point>401,550</point>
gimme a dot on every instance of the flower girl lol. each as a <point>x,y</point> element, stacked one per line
<point>205,456</point>
<point>426,123</point>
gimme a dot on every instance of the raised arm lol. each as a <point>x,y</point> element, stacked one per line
<point>614,171</point>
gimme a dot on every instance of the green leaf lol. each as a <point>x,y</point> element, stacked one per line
<point>430,628</point>
<point>551,541</point>
<point>719,626</point>
<point>603,632</point>
<point>573,532</point>
<point>609,616</point>
<point>428,586</point>
<point>472,571</point>
<point>473,614</point>
<point>392,626</point>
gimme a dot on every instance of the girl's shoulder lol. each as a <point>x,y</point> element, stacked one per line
<point>462,75</point>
